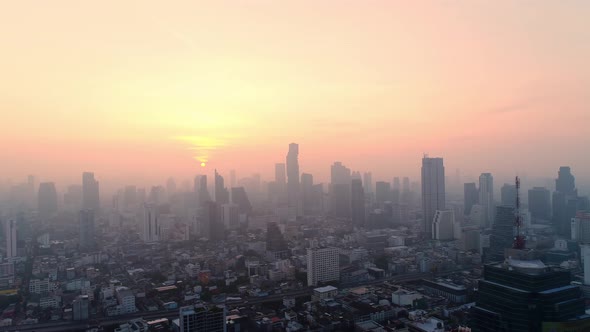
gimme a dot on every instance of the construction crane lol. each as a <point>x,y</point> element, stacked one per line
<point>519,239</point>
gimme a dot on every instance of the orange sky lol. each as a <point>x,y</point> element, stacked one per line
<point>147,89</point>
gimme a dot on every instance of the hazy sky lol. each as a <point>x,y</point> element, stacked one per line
<point>147,89</point>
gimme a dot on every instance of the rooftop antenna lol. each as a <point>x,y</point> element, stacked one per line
<point>519,240</point>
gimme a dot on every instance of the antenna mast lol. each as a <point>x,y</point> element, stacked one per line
<point>519,240</point>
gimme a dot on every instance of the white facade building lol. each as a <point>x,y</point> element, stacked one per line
<point>323,264</point>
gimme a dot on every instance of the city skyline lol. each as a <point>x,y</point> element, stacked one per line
<point>370,85</point>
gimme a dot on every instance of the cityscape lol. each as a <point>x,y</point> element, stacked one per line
<point>241,166</point>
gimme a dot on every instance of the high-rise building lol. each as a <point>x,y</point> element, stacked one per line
<point>470,197</point>
<point>540,203</point>
<point>230,215</point>
<point>90,192</point>
<point>508,194</point>
<point>80,307</point>
<point>565,182</point>
<point>151,225</point>
<point>357,203</point>
<point>292,161</point>
<point>382,192</point>
<point>221,193</point>
<point>203,318</point>
<point>307,193</point>
<point>580,228</point>
<point>202,190</point>
<point>340,190</point>
<point>502,236</point>
<point>240,197</point>
<point>486,197</point>
<point>443,225</point>
<point>47,199</point>
<point>10,236</point>
<point>565,201</point>
<point>86,229</point>
<point>368,182</point>
<point>275,242</point>
<point>232,178</point>
<point>527,296</point>
<point>214,222</point>
<point>323,265</point>
<point>433,191</point>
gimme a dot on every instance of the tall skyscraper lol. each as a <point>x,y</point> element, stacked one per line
<point>502,236</point>
<point>565,201</point>
<point>357,203</point>
<point>323,265</point>
<point>508,194</point>
<point>203,318</point>
<point>368,182</point>
<point>201,189</point>
<point>486,197</point>
<point>382,192</point>
<point>240,197</point>
<point>10,236</point>
<point>151,225</point>
<point>221,193</point>
<point>80,308</point>
<point>307,193</point>
<point>214,222</point>
<point>86,229</point>
<point>580,228</point>
<point>280,174</point>
<point>90,192</point>
<point>470,197</point>
<point>293,178</point>
<point>232,178</point>
<point>540,203</point>
<point>527,296</point>
<point>433,191</point>
<point>340,190</point>
<point>47,200</point>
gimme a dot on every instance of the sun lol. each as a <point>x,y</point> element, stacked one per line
<point>203,164</point>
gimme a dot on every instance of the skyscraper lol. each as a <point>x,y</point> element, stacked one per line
<point>293,177</point>
<point>565,201</point>
<point>240,197</point>
<point>90,192</point>
<point>47,199</point>
<point>221,193</point>
<point>232,178</point>
<point>368,182</point>
<point>307,193</point>
<point>323,265</point>
<point>201,189</point>
<point>396,184</point>
<point>357,203</point>
<point>502,236</point>
<point>433,191</point>
<point>540,203</point>
<point>508,194</point>
<point>275,242</point>
<point>470,197</point>
<point>86,229</point>
<point>280,174</point>
<point>486,197</point>
<point>10,235</point>
<point>340,190</point>
<point>151,225</point>
<point>382,192</point>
